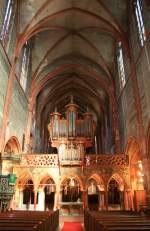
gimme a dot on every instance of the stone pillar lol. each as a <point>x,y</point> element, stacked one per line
<point>56,200</point>
<point>41,201</point>
<point>60,200</point>
<point>106,200</point>
<point>28,128</point>
<point>122,205</point>
<point>35,199</point>
<point>20,197</point>
<point>131,203</point>
<point>99,201</point>
<point>102,200</point>
<point>126,201</point>
<point>84,196</point>
<point>146,171</point>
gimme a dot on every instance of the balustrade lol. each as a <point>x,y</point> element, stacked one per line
<point>52,160</point>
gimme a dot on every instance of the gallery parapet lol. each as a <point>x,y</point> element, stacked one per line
<point>96,161</point>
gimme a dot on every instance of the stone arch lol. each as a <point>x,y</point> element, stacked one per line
<point>115,188</point>
<point>12,146</point>
<point>71,188</point>
<point>47,190</point>
<point>25,186</point>
<point>72,176</point>
<point>98,179</point>
<point>23,178</point>
<point>118,179</point>
<point>44,178</point>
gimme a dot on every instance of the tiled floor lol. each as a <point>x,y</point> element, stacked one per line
<point>62,219</point>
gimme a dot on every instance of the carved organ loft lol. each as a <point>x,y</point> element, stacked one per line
<point>72,134</point>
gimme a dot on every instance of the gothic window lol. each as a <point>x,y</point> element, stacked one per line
<point>25,66</point>
<point>122,78</point>
<point>9,13</point>
<point>140,23</point>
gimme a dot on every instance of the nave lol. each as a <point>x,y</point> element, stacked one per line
<point>74,115</point>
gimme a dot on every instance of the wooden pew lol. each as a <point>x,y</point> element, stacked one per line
<point>29,220</point>
<point>96,221</point>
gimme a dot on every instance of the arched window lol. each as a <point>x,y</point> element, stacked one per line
<point>8,19</point>
<point>25,66</point>
<point>121,69</point>
<point>140,21</point>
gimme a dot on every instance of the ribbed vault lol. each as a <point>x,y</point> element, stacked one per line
<point>74,53</point>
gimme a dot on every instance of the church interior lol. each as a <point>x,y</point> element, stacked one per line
<point>74,109</point>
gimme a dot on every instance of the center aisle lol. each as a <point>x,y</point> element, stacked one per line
<point>72,226</point>
<point>71,223</point>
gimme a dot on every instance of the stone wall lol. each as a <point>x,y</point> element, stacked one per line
<point>4,70</point>
<point>18,113</point>
<point>141,58</point>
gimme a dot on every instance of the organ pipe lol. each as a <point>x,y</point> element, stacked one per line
<point>71,127</point>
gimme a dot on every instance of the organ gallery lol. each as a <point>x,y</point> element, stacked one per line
<point>74,106</point>
<point>73,134</point>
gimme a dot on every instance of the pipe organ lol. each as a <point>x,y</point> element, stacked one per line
<point>72,133</point>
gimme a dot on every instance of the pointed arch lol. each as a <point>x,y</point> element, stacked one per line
<point>118,179</point>
<point>12,146</point>
<point>23,177</point>
<point>99,181</point>
<point>76,177</point>
<point>44,179</point>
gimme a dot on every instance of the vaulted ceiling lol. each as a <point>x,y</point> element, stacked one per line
<point>74,51</point>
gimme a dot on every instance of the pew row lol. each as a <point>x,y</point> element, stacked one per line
<point>29,220</point>
<point>105,221</point>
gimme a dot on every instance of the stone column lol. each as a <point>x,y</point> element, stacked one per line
<point>60,200</point>
<point>35,199</point>
<point>99,201</point>
<point>20,197</point>
<point>56,200</point>
<point>84,196</point>
<point>41,201</point>
<point>131,203</point>
<point>28,128</point>
<point>146,171</point>
<point>102,200</point>
<point>122,205</point>
<point>106,200</point>
<point>126,201</point>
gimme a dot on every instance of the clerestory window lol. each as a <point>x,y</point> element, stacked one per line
<point>7,21</point>
<point>140,21</point>
<point>121,70</point>
<point>25,66</point>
